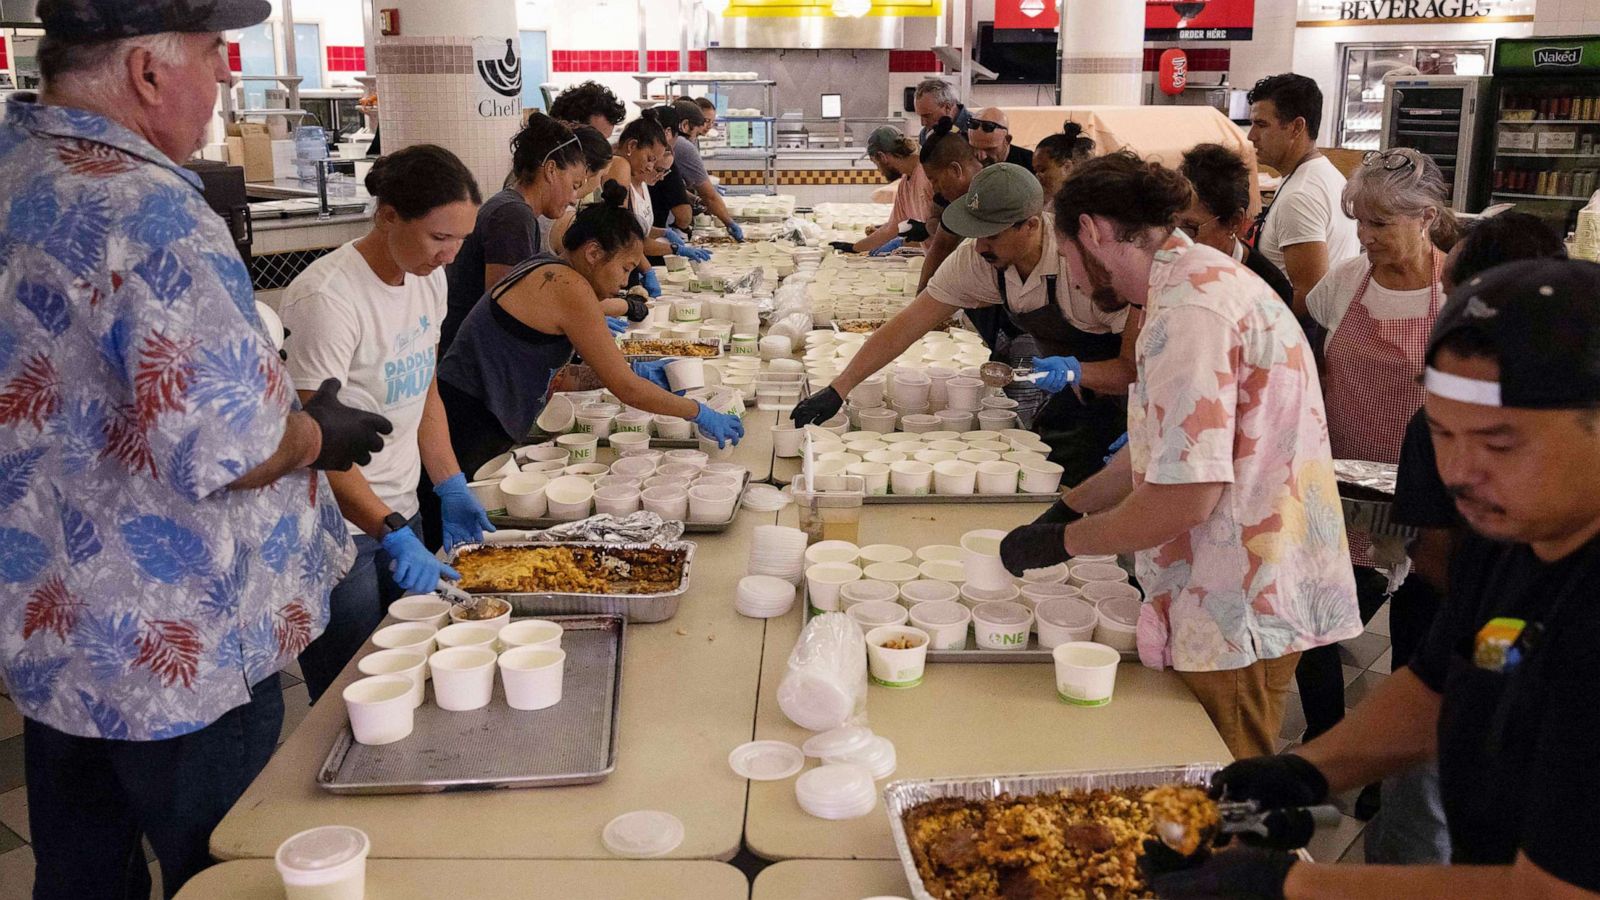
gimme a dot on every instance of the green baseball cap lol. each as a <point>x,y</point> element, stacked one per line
<point>884,139</point>
<point>1001,196</point>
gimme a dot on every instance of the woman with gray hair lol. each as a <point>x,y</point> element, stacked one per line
<point>1377,309</point>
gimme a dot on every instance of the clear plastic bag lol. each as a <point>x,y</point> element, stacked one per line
<point>826,685</point>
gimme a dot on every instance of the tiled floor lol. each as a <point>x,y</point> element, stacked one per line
<point>1366,664</point>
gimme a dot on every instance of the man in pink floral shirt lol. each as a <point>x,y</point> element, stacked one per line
<point>1225,494</point>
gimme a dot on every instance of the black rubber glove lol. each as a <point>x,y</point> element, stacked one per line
<point>1033,547</point>
<point>349,436</point>
<point>818,408</point>
<point>914,231</point>
<point>1238,873</point>
<point>1059,513</point>
<point>1282,780</point>
<point>638,309</point>
<point>842,246</point>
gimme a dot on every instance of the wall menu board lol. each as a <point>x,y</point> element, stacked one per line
<point>1199,20</point>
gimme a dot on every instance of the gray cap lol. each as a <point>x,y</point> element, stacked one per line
<point>108,20</point>
<point>884,139</point>
<point>1001,196</point>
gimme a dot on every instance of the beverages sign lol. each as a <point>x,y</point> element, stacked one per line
<point>1199,20</point>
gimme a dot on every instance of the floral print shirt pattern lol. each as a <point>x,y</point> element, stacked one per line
<point>139,597</point>
<point>1227,392</point>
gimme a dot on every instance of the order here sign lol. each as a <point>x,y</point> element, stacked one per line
<point>1199,20</point>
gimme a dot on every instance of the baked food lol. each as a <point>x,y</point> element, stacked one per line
<point>1041,847</point>
<point>575,569</point>
<point>660,347</point>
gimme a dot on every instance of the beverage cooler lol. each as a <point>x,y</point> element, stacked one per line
<point>1547,130</point>
<point>1445,117</point>
<point>1362,90</point>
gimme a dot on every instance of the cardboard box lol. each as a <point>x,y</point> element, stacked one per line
<point>250,146</point>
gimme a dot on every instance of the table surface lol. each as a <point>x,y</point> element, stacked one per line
<point>969,719</point>
<point>830,879</point>
<point>428,879</point>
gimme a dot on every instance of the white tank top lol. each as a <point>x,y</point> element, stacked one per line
<point>642,210</point>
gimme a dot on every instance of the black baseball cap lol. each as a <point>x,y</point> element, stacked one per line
<point>110,20</point>
<point>1542,317</point>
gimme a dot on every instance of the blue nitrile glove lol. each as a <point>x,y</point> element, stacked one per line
<point>617,324</point>
<point>414,569</point>
<point>653,371</point>
<point>1063,370</point>
<point>650,282</point>
<point>1116,445</point>
<point>735,232</point>
<point>889,248</point>
<point>674,238</point>
<point>720,427</point>
<point>698,254</point>
<point>465,520</point>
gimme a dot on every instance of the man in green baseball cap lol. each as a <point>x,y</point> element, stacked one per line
<point>1010,260</point>
<point>896,158</point>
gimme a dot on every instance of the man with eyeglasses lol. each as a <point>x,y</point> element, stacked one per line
<point>1219,211</point>
<point>990,137</point>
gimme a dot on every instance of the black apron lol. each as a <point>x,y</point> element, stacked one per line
<point>1078,432</point>
<point>1488,722</point>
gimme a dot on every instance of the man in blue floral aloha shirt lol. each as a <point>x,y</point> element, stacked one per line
<point>166,545</point>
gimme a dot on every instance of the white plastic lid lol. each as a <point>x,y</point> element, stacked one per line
<point>867,590</point>
<point>766,760</point>
<point>643,834</point>
<point>1001,612</point>
<point>838,742</point>
<point>1067,612</point>
<point>1047,575</point>
<point>813,702</point>
<point>1121,610</point>
<point>768,588</point>
<point>877,757</point>
<point>874,613</point>
<point>1042,592</point>
<point>939,612</point>
<point>321,849</point>
<point>834,785</point>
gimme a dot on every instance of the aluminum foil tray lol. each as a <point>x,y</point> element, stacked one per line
<point>573,742</point>
<point>900,796</point>
<point>500,521</point>
<point>925,499</point>
<point>636,608</point>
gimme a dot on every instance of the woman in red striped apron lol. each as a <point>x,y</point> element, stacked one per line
<point>1378,310</point>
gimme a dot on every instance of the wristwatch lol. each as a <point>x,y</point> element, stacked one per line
<point>393,522</point>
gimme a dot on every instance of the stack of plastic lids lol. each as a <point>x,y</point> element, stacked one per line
<point>763,596</point>
<point>778,551</point>
<point>836,791</point>
<point>854,745</point>
<point>643,834</point>
<point>765,498</point>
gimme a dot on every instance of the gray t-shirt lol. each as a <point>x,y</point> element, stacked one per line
<point>688,164</point>
<point>507,233</point>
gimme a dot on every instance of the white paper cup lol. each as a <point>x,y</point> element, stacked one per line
<point>1002,625</point>
<point>979,457</point>
<point>597,423</point>
<point>981,559</point>
<point>832,551</point>
<point>631,422</point>
<point>1083,573</point>
<point>964,393</point>
<point>894,573</point>
<point>426,609</point>
<point>524,494</point>
<point>920,423</point>
<point>955,419</point>
<point>580,447</point>
<point>745,345</point>
<point>1118,624</point>
<point>954,477</point>
<point>617,500</point>
<point>709,447</point>
<point>927,590</point>
<point>488,494</point>
<point>878,421</point>
<point>468,634</point>
<point>532,676</point>
<point>1040,477</point>
<point>666,502</point>
<point>910,478</point>
<point>712,502</point>
<point>324,863</point>
<point>634,467</point>
<point>412,664</point>
<point>531,633</point>
<point>541,453</point>
<point>786,440</point>
<point>1086,673</point>
<point>897,668</point>
<point>463,677</point>
<point>672,428</point>
<point>629,440</point>
<point>497,468</point>
<point>686,310</point>
<point>973,596</point>
<point>874,475</point>
<point>1096,591</point>
<point>592,472</point>
<point>1064,620</point>
<point>824,581</point>
<point>458,614</point>
<point>945,570</point>
<point>547,468</point>
<point>946,623</point>
<point>380,708</point>
<point>867,591</point>
<point>686,373</point>
<point>406,636</point>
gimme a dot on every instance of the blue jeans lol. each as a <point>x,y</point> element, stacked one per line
<point>1410,829</point>
<point>91,799</point>
<point>355,608</point>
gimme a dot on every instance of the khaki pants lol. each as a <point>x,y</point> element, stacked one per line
<point>1246,705</point>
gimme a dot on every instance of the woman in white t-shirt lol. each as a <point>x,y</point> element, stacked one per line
<point>369,314</point>
<point>1377,310</point>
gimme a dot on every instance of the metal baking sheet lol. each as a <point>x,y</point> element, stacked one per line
<point>636,608</point>
<point>900,796</point>
<point>573,742</point>
<point>688,527</point>
<point>899,499</point>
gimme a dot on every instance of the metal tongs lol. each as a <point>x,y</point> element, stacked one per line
<point>449,591</point>
<point>1281,828</point>
<point>999,375</point>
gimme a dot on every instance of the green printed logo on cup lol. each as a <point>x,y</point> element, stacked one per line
<point>626,426</point>
<point>1075,701</point>
<point>582,427</point>
<point>896,684</point>
<point>1019,639</point>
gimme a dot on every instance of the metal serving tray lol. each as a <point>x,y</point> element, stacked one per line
<point>914,499</point>
<point>573,742</point>
<point>688,527</point>
<point>636,608</point>
<point>900,796</point>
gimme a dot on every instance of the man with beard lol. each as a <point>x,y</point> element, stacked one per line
<point>1010,264</point>
<point>1225,493</point>
<point>896,158</point>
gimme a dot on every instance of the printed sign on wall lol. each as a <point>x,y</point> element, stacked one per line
<point>497,63</point>
<point>1199,20</point>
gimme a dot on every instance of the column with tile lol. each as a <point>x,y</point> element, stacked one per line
<point>1102,53</point>
<point>452,77</point>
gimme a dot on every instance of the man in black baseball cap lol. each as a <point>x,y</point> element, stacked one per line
<point>88,21</point>
<point>1503,691</point>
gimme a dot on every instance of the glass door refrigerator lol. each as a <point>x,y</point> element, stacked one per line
<point>1547,129</point>
<point>1362,91</point>
<point>1446,118</point>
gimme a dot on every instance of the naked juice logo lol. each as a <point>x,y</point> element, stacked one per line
<point>1558,56</point>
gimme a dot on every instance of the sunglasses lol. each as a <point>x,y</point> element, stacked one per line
<point>1390,160</point>
<point>988,127</point>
